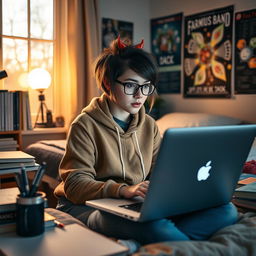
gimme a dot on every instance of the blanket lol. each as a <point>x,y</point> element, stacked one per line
<point>238,239</point>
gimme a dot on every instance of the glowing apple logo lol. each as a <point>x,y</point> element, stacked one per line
<point>203,172</point>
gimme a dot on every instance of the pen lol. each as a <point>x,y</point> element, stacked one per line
<point>38,176</point>
<point>24,180</point>
<point>19,184</point>
<point>59,224</point>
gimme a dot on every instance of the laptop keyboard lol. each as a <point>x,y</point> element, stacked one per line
<point>134,207</point>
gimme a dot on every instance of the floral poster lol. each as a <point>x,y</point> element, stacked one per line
<point>166,46</point>
<point>208,54</point>
<point>245,52</point>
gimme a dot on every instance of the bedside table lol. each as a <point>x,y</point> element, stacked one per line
<point>32,136</point>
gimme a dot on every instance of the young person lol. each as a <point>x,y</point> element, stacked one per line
<point>111,148</point>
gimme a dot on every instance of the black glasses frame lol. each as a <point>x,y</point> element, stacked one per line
<point>138,87</point>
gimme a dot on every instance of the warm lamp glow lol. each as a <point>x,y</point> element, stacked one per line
<point>39,78</point>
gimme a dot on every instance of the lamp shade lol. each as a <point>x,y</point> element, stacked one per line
<point>39,78</point>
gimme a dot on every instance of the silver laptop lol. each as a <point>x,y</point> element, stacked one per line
<point>196,168</point>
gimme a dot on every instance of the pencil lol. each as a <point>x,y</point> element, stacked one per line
<point>59,224</point>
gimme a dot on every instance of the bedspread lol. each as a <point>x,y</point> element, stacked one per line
<point>238,239</point>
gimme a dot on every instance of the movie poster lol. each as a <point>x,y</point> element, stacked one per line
<point>166,46</point>
<point>208,54</point>
<point>245,52</point>
<point>112,28</point>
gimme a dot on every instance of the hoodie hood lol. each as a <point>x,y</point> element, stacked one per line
<point>99,110</point>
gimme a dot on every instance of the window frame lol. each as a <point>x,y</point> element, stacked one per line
<point>29,40</point>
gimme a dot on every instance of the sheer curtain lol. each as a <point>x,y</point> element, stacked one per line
<point>77,30</point>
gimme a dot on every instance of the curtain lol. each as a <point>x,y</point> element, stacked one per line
<point>78,44</point>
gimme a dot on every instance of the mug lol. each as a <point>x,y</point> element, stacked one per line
<point>30,215</point>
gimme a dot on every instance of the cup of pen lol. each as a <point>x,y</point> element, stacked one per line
<point>30,214</point>
<point>30,204</point>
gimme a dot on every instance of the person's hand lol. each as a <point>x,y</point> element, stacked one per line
<point>134,190</point>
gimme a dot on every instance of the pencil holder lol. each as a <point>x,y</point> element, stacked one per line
<point>30,215</point>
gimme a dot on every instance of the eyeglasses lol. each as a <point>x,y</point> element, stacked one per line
<point>132,88</point>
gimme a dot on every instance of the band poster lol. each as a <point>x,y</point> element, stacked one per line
<point>208,54</point>
<point>112,28</point>
<point>245,52</point>
<point>166,46</point>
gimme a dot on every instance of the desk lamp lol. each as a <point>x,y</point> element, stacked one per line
<point>40,79</point>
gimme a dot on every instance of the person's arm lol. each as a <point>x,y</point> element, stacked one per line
<point>77,170</point>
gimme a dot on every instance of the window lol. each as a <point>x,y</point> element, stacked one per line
<point>27,42</point>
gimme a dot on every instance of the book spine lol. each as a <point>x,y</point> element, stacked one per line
<point>4,208</point>
<point>5,114</point>
<point>24,112</point>
<point>16,111</point>
<point>7,217</point>
<point>11,111</point>
<point>28,112</point>
<point>2,111</point>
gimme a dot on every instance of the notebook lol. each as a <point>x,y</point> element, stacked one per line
<point>15,157</point>
<point>196,168</point>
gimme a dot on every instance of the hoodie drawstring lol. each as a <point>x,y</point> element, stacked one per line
<point>141,157</point>
<point>121,152</point>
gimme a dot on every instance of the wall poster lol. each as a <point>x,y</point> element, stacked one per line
<point>208,54</point>
<point>245,52</point>
<point>112,28</point>
<point>166,46</point>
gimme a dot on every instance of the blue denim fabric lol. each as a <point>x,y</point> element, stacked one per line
<point>198,225</point>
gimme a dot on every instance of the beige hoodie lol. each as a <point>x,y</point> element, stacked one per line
<point>100,157</point>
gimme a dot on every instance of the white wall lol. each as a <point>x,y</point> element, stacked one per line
<point>240,106</point>
<point>141,11</point>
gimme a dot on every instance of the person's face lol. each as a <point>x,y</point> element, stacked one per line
<point>124,104</point>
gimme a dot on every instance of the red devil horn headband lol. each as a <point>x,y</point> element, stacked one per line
<point>140,45</point>
<point>122,45</point>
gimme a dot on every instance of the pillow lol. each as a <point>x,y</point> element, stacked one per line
<point>177,120</point>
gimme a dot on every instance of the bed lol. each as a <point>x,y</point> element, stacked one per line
<point>238,239</point>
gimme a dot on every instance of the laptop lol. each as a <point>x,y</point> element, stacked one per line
<point>196,168</point>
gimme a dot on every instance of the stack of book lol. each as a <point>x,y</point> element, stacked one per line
<point>245,193</point>
<point>7,206</point>
<point>8,211</point>
<point>8,144</point>
<point>15,159</point>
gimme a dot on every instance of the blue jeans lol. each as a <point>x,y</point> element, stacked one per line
<point>198,225</point>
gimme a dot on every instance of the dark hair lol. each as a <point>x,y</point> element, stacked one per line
<point>113,62</point>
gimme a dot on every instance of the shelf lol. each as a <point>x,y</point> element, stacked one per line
<point>9,132</point>
<point>37,134</point>
<point>25,138</point>
<point>44,131</point>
